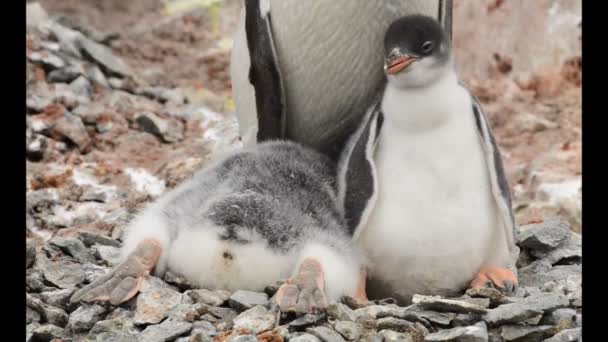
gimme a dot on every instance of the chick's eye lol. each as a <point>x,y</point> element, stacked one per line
<point>427,47</point>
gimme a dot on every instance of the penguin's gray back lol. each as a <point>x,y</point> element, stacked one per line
<point>330,56</point>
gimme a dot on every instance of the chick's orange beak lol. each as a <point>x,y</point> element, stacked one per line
<point>398,64</point>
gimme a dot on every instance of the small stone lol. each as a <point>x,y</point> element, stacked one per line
<point>119,324</point>
<point>256,320</point>
<point>243,300</point>
<point>303,322</point>
<point>90,239</point>
<point>222,313</point>
<point>58,298</point>
<point>179,280</point>
<point>533,320</point>
<point>31,315</point>
<point>66,74</point>
<point>81,86</point>
<point>34,281</point>
<point>73,247</point>
<point>85,317</point>
<point>203,328</point>
<point>104,57</point>
<point>47,332</point>
<point>92,272</point>
<point>378,311</point>
<point>340,312</point>
<point>541,271</point>
<point>29,330</point>
<point>186,312</point>
<point>94,74</point>
<point>546,302</point>
<point>71,127</point>
<point>155,302</point>
<point>563,318</point>
<point>169,130</point>
<point>543,236</point>
<point>304,338</point>
<point>393,336</point>
<point>473,333</point>
<point>30,256</point>
<point>113,336</point>
<point>63,273</point>
<point>38,199</point>
<point>111,256</point>
<point>243,338</point>
<point>440,318</point>
<point>47,59</point>
<point>325,334</point>
<point>524,333</point>
<point>568,335</point>
<point>351,331</point>
<point>463,320</point>
<point>213,298</point>
<point>437,303</point>
<point>569,250</point>
<point>510,313</point>
<point>495,296</point>
<point>394,324</point>
<point>166,331</point>
<point>371,337</point>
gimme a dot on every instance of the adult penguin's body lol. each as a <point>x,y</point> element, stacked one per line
<point>308,70</point>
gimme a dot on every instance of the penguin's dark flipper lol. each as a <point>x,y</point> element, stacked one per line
<point>500,278</point>
<point>264,73</point>
<point>357,184</point>
<point>305,292</point>
<point>445,16</point>
<point>124,281</point>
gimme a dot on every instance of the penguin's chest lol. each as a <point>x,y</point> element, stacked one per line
<point>434,216</point>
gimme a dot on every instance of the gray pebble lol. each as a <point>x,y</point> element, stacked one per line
<point>222,313</point>
<point>93,271</point>
<point>524,333</point>
<point>90,239</point>
<point>30,256</point>
<point>340,312</point>
<point>303,322</point>
<point>168,129</point>
<point>543,236</point>
<point>179,280</point>
<point>437,303</point>
<point>203,328</point>
<point>73,247</point>
<point>118,324</point>
<point>31,315</point>
<point>66,74</point>
<point>257,319</point>
<point>350,330</point>
<point>564,318</point>
<point>325,334</point>
<point>85,317</point>
<point>104,57</point>
<point>510,313</point>
<point>71,127</point>
<point>114,336</point>
<point>568,335</point>
<point>166,331</point>
<point>473,333</point>
<point>304,338</point>
<point>47,59</point>
<point>58,298</point>
<point>50,313</point>
<point>47,332</point>
<point>155,301</point>
<point>111,256</point>
<point>243,300</point>
<point>394,324</point>
<point>463,320</point>
<point>393,336</point>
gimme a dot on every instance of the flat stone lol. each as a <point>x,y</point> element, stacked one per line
<point>58,298</point>
<point>29,330</point>
<point>511,313</point>
<point>203,328</point>
<point>71,127</point>
<point>473,333</point>
<point>187,312</point>
<point>113,336</point>
<point>495,296</point>
<point>371,337</point>
<point>222,313</point>
<point>168,129</point>
<point>543,236</point>
<point>243,338</point>
<point>394,324</point>
<point>119,324</point>
<point>303,322</point>
<point>564,318</point>
<point>304,338</point>
<point>243,300</point>
<point>34,281</point>
<point>155,302</point>
<point>42,198</point>
<point>50,313</point>
<point>568,335</point>
<point>213,298</point>
<point>375,311</point>
<point>81,86</point>
<point>340,312</point>
<point>571,249</point>
<point>73,247</point>
<point>85,317</point>
<point>110,255</point>
<point>437,303</point>
<point>181,281</point>
<point>166,331</point>
<point>463,320</point>
<point>325,334</point>
<point>541,271</point>
<point>104,57</point>
<point>66,74</point>
<point>546,302</point>
<point>30,256</point>
<point>96,76</point>
<point>424,316</point>
<point>350,330</point>
<point>46,58</point>
<point>90,239</point>
<point>524,333</point>
<point>47,332</point>
<point>393,336</point>
<point>257,319</point>
<point>31,315</point>
<point>93,271</point>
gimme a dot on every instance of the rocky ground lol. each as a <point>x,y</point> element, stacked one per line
<point>116,118</point>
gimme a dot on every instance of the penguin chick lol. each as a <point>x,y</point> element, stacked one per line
<point>441,218</point>
<point>247,221</point>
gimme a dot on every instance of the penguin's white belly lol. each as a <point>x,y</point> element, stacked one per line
<point>435,216</point>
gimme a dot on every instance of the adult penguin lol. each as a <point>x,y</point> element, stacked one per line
<point>308,70</point>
